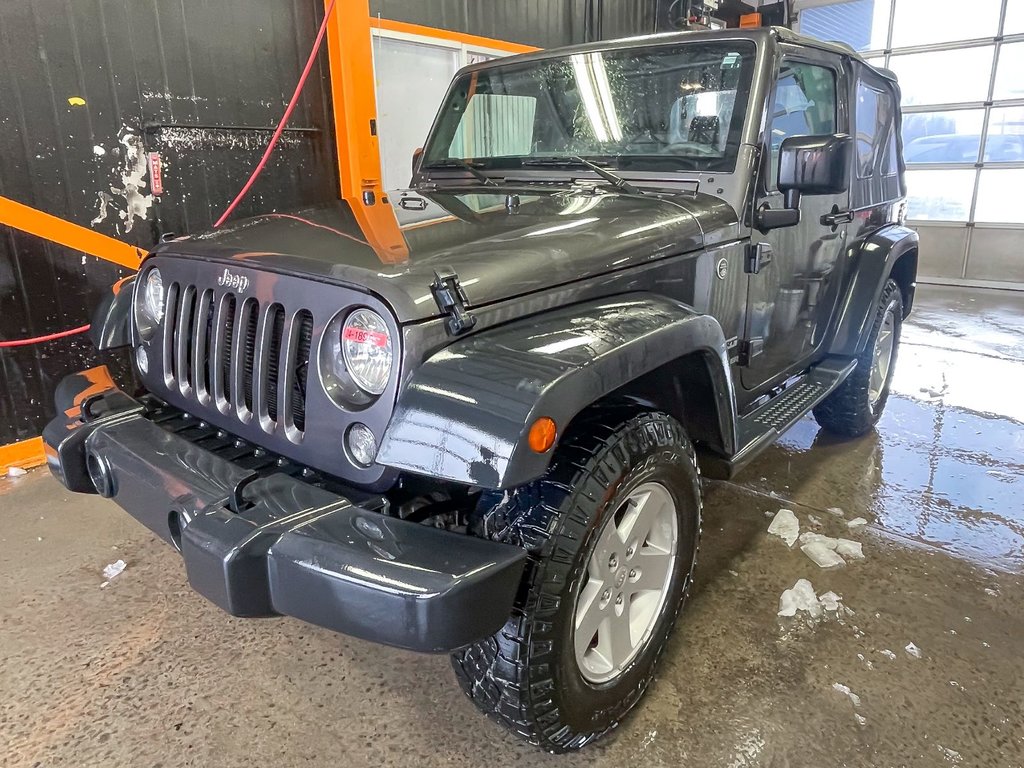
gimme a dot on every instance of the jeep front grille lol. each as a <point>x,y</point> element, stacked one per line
<point>247,360</point>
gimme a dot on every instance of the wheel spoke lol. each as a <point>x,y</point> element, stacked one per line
<point>607,543</point>
<point>648,509</point>
<point>620,641</point>
<point>654,566</point>
<point>588,615</point>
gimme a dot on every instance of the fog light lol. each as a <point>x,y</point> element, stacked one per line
<point>142,360</point>
<point>362,445</point>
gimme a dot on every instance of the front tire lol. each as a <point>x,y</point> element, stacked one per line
<point>857,404</point>
<point>613,529</point>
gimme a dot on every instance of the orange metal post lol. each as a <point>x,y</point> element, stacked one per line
<point>354,90</point>
<point>355,102</point>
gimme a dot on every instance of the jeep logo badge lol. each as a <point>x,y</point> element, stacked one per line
<point>236,282</point>
<point>721,270</point>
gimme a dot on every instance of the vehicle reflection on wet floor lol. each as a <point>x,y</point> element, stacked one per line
<point>946,463</point>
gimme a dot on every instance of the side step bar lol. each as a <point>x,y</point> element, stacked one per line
<point>762,426</point>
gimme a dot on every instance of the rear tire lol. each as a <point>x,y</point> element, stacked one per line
<point>584,524</point>
<point>857,404</point>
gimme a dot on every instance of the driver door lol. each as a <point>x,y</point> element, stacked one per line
<point>792,296</point>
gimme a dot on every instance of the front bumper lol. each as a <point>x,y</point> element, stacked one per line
<point>264,544</point>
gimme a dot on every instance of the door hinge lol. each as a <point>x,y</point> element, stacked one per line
<point>757,255</point>
<point>749,349</point>
<point>451,299</point>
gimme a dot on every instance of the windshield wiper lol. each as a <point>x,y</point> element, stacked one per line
<point>458,162</point>
<point>614,179</point>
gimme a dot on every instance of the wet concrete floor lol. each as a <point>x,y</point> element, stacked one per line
<point>144,673</point>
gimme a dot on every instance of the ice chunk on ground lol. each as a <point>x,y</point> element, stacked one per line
<point>821,555</point>
<point>857,522</point>
<point>15,472</point>
<point>861,720</point>
<point>800,597</point>
<point>850,549</point>
<point>951,755</point>
<point>114,569</point>
<point>845,690</point>
<point>827,552</point>
<point>888,654</point>
<point>913,650</point>
<point>830,601</point>
<point>835,511</point>
<point>785,526</point>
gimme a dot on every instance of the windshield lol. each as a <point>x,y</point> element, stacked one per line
<point>666,107</point>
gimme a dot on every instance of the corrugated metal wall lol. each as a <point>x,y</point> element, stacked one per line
<point>544,23</point>
<point>149,72</point>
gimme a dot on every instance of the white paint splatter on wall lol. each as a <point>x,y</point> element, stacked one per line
<point>128,199</point>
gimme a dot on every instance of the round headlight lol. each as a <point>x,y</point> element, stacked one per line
<point>367,350</point>
<point>153,296</point>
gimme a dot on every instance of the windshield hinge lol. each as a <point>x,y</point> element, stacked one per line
<point>451,299</point>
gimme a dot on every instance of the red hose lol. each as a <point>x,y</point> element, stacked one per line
<point>41,339</point>
<point>284,120</point>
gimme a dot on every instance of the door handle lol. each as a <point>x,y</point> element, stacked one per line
<point>836,217</point>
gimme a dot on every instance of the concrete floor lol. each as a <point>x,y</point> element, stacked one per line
<point>144,672</point>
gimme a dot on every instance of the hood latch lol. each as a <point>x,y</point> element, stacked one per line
<point>451,299</point>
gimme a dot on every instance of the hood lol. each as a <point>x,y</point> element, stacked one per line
<point>501,244</point>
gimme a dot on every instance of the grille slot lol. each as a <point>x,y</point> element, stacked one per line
<point>300,366</point>
<point>249,360</point>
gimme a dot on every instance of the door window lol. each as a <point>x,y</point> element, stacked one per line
<point>804,104</point>
<point>876,134</point>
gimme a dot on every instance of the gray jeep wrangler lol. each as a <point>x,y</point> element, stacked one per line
<point>471,417</point>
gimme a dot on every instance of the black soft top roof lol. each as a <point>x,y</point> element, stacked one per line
<point>760,35</point>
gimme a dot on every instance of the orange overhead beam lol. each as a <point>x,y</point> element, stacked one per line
<point>473,41</point>
<point>50,227</point>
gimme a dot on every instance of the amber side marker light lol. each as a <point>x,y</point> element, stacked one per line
<point>542,434</point>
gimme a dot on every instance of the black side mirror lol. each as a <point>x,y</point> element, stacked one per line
<point>808,165</point>
<point>417,158</point>
<point>814,165</point>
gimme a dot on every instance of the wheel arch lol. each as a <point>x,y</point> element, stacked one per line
<point>889,252</point>
<point>465,414</point>
<point>683,388</point>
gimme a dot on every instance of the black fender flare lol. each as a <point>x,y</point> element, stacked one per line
<point>465,413</point>
<point>871,266</point>
<point>112,320</point>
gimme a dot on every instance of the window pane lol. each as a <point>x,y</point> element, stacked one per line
<point>863,24</point>
<point>999,196</point>
<point>804,105</point>
<point>1009,82</point>
<point>412,79</point>
<point>939,195</point>
<point>1014,24</point>
<point>1005,135</point>
<point>942,137</point>
<point>921,22</point>
<point>876,140</point>
<point>944,77</point>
